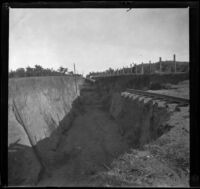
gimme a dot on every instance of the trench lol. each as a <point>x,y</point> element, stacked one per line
<point>99,128</point>
<point>92,136</point>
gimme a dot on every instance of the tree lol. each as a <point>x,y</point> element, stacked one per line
<point>65,70</point>
<point>29,71</point>
<point>20,72</point>
<point>38,70</point>
<point>110,70</point>
<point>62,70</point>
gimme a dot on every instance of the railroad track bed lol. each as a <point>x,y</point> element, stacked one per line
<point>167,98</point>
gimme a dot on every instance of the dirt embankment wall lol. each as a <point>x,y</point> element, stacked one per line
<point>152,125</point>
<point>41,102</point>
<point>38,103</point>
<point>141,120</point>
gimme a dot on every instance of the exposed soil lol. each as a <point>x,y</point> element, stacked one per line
<point>89,146</point>
<point>96,152</point>
<point>162,162</point>
<point>109,140</point>
<point>42,102</point>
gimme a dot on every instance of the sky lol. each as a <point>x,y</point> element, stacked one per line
<point>96,39</point>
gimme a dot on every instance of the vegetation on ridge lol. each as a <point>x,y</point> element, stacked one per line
<point>39,71</point>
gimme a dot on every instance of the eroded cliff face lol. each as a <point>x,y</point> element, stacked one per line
<point>36,107</point>
<point>42,102</point>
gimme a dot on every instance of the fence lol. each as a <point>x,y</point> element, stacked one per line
<point>148,68</point>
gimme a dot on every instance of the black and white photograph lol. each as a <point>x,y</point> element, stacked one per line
<point>99,97</point>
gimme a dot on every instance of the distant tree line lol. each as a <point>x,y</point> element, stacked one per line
<point>39,71</point>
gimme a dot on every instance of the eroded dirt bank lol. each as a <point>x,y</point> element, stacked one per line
<point>42,103</point>
<point>158,134</point>
<point>110,138</point>
<point>39,104</point>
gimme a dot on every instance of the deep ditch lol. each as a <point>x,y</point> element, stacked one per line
<point>100,126</point>
<point>95,136</point>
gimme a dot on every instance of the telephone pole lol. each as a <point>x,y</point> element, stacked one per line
<point>160,61</point>
<point>142,69</point>
<point>174,63</point>
<point>75,77</point>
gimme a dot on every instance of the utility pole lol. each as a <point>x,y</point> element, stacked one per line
<point>75,78</point>
<point>160,60</point>
<point>142,69</point>
<point>174,63</point>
